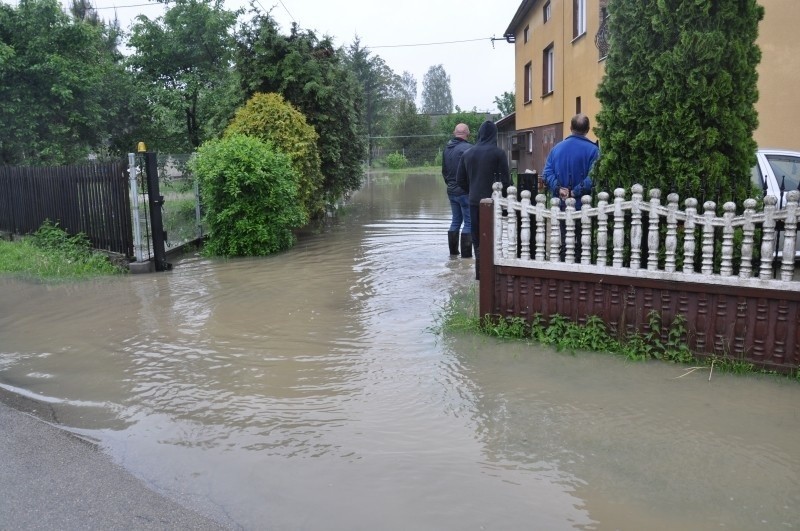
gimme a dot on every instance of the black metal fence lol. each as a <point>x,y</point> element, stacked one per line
<point>93,199</point>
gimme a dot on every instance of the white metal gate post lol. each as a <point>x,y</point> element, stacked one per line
<point>134,186</point>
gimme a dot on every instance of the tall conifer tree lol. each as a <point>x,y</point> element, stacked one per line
<point>678,97</point>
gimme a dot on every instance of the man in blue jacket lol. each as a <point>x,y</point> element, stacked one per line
<point>566,172</point>
<point>479,168</point>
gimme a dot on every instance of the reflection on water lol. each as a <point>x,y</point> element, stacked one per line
<point>306,390</point>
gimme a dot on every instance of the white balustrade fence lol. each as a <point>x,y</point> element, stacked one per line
<point>611,237</point>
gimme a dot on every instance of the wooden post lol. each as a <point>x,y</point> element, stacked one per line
<point>486,287</point>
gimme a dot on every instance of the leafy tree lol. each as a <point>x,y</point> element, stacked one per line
<point>185,56</point>
<point>678,97</point>
<point>436,95</point>
<point>380,87</point>
<point>408,88</point>
<point>413,136</point>
<point>270,118</point>
<point>61,82</point>
<point>313,76</point>
<point>250,196</point>
<point>506,103</point>
<point>473,119</point>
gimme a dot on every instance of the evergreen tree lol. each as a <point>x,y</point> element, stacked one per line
<point>678,97</point>
<point>313,77</point>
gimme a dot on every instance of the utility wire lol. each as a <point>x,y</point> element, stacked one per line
<point>429,43</point>
<point>412,45</point>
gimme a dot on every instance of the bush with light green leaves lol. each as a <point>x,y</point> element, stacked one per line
<point>249,193</point>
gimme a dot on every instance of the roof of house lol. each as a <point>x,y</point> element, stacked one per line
<point>519,16</point>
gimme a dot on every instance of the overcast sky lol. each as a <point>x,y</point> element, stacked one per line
<point>402,33</point>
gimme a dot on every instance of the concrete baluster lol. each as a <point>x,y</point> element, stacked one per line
<point>748,232</point>
<point>570,229</point>
<point>652,232</point>
<point>619,227</point>
<point>586,230</point>
<point>497,196</point>
<point>726,263</point>
<point>709,214</point>
<point>525,230</point>
<point>541,255</point>
<point>688,235</point>
<point>510,248</point>
<point>555,229</point>
<point>789,235</point>
<point>602,228</point>
<point>671,242</point>
<point>636,225</point>
<point>768,237</point>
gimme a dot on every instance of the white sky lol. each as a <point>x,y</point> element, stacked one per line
<point>478,71</point>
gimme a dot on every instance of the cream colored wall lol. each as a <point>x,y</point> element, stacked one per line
<point>779,75</point>
<point>578,70</point>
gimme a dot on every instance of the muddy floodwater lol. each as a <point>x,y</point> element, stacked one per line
<point>310,391</point>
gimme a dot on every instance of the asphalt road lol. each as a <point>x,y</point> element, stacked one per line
<point>51,479</point>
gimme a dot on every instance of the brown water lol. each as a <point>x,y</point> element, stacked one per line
<point>307,391</point>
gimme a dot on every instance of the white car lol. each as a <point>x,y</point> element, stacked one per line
<point>778,169</point>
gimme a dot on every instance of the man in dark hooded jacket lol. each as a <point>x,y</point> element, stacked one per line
<point>459,202</point>
<point>480,167</point>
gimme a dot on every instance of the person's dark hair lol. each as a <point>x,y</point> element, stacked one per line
<point>580,124</point>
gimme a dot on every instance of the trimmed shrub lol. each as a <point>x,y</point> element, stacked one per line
<point>396,161</point>
<point>249,193</point>
<point>269,117</point>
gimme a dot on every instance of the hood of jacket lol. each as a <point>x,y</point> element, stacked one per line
<point>487,134</point>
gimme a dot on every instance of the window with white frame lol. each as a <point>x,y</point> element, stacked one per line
<point>548,70</point>
<point>528,80</point>
<point>546,13</point>
<point>526,33</point>
<point>578,18</point>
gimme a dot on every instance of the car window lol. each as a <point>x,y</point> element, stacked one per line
<point>786,169</point>
<point>757,177</point>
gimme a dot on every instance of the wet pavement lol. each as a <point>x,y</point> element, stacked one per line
<point>53,479</point>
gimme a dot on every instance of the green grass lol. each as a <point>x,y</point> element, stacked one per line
<point>460,315</point>
<point>50,254</point>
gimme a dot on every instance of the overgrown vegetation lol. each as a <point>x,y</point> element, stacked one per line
<point>669,344</point>
<point>250,197</point>
<point>51,254</point>
<point>396,161</point>
<point>271,118</point>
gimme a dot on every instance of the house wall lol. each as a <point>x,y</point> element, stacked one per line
<point>579,70</point>
<point>779,75</point>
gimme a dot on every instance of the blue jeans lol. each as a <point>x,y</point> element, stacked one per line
<point>459,205</point>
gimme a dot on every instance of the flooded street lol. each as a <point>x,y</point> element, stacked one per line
<point>308,391</point>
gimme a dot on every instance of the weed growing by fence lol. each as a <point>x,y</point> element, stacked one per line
<point>459,314</point>
<point>51,254</point>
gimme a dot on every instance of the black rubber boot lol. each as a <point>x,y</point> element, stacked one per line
<point>466,245</point>
<point>452,239</point>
